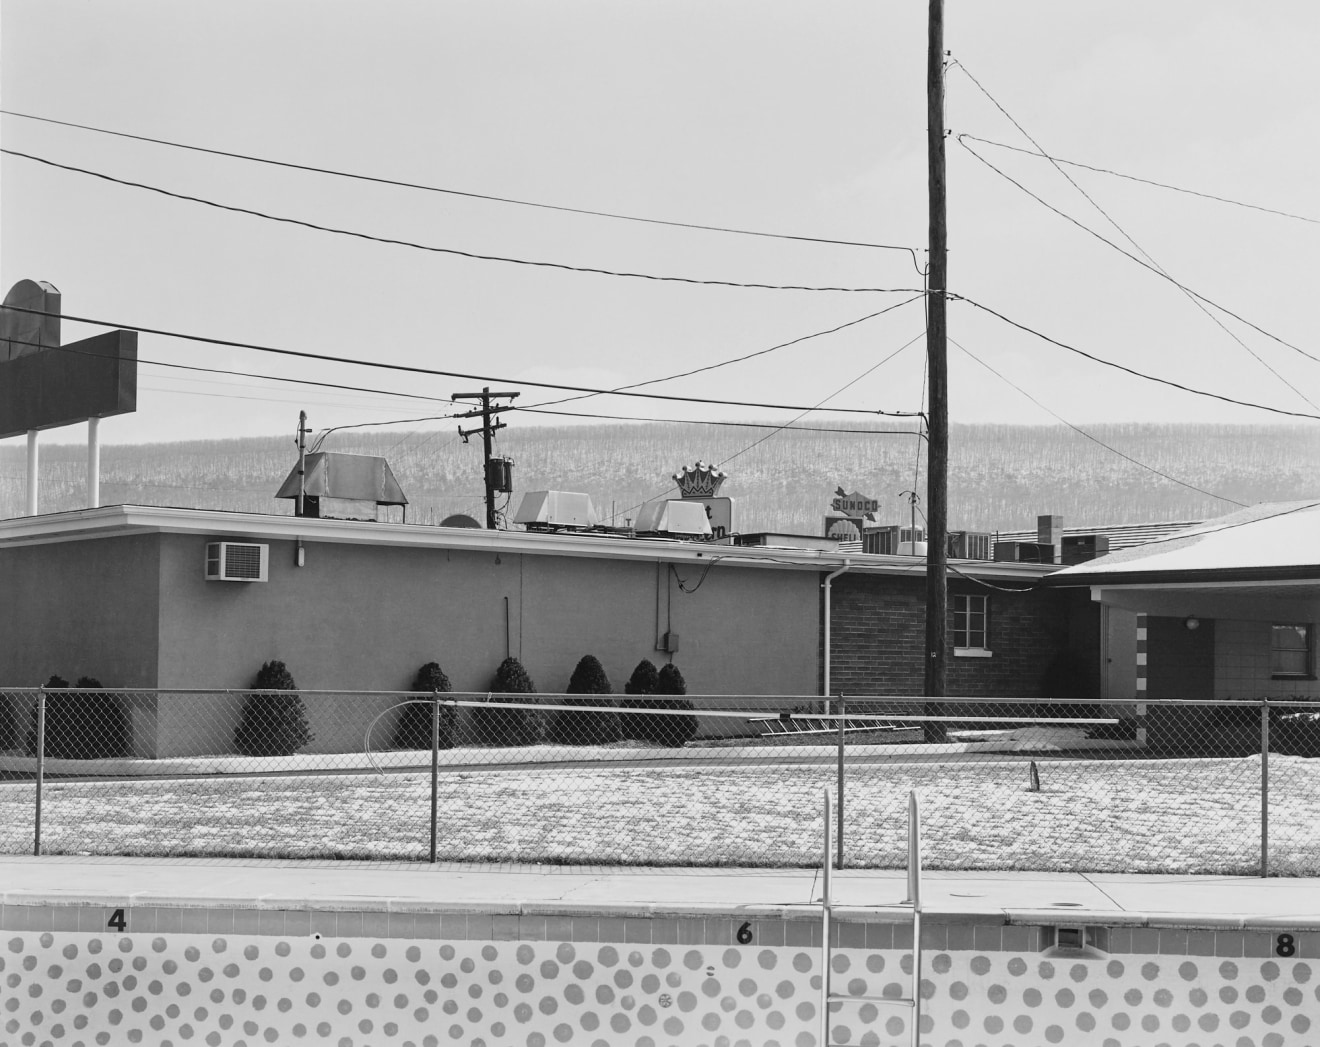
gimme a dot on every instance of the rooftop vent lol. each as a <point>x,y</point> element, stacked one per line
<point>556,511</point>
<point>339,486</point>
<point>685,519</point>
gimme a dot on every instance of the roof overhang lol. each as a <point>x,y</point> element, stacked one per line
<point>121,520</point>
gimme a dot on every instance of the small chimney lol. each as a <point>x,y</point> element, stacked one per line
<point>1049,531</point>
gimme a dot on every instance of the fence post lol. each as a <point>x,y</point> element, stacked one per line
<point>41,769</point>
<point>1265,787</point>
<point>435,767</point>
<point>842,709</point>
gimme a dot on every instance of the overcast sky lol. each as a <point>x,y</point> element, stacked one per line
<point>791,118</point>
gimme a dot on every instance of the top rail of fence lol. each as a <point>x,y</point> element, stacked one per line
<point>540,698</point>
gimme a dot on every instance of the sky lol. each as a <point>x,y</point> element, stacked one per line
<point>804,120</point>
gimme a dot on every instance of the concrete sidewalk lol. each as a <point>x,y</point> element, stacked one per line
<point>1010,897</point>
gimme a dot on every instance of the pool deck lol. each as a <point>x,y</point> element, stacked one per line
<point>1114,899</point>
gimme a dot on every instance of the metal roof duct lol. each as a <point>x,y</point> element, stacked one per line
<point>545,510</point>
<point>344,486</point>
<point>687,518</point>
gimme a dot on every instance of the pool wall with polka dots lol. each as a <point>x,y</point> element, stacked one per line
<point>82,974</point>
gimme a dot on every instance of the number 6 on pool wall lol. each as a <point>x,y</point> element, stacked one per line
<point>117,921</point>
<point>1285,945</point>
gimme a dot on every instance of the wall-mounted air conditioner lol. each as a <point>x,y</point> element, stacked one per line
<point>237,561</point>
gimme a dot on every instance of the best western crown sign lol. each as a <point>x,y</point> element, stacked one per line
<point>701,483</point>
<point>44,385</point>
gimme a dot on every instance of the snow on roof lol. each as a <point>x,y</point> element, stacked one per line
<point>1121,536</point>
<point>1269,538</point>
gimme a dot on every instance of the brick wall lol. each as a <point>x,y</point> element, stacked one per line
<point>879,626</point>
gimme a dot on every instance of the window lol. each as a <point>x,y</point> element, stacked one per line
<point>971,623</point>
<point>1292,650</point>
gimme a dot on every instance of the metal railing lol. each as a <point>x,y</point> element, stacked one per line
<point>1175,787</point>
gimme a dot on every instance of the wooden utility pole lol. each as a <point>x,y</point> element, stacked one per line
<point>487,430</point>
<point>937,465</point>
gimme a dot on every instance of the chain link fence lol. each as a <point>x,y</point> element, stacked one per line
<point>1178,787</point>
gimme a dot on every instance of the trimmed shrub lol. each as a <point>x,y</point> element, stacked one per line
<point>413,731</point>
<point>667,729</point>
<point>85,723</point>
<point>494,723</point>
<point>675,730</point>
<point>586,723</point>
<point>642,680</point>
<point>273,724</point>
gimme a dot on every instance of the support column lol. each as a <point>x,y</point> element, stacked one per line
<point>93,463</point>
<point>32,472</point>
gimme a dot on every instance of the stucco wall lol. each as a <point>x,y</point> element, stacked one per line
<point>76,609</point>
<point>365,617</point>
<point>359,617</point>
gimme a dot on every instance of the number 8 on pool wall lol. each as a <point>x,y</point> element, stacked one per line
<point>1285,945</point>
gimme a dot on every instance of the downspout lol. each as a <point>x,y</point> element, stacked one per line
<point>826,586</point>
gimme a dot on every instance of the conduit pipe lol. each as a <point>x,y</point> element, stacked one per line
<point>847,566</point>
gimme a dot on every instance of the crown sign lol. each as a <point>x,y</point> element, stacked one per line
<point>699,481</point>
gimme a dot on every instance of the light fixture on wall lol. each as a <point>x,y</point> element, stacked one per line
<point>1192,622</point>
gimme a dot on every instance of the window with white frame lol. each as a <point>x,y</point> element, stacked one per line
<point>1292,650</point>
<point>971,623</point>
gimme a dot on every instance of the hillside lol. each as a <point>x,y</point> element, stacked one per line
<point>1000,477</point>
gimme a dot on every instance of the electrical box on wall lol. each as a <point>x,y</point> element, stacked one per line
<point>237,561</point>
<point>668,643</point>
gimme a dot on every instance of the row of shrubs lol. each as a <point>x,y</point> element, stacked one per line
<point>276,724</point>
<point>497,722</point>
<point>89,723</point>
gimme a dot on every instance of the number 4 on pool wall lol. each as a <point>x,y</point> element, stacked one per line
<point>117,921</point>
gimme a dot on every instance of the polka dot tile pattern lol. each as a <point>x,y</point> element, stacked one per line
<point>173,989</point>
<point>83,989</point>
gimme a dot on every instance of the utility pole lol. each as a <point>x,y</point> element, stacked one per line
<point>302,462</point>
<point>937,469</point>
<point>487,430</point>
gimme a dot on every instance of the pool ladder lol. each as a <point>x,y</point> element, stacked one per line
<point>911,1002</point>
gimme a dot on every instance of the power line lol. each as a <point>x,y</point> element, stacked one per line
<point>1093,439</point>
<point>1144,181</point>
<point>804,411</point>
<point>734,425</point>
<point>1124,233</point>
<point>412,369</point>
<point>842,388</point>
<point>1128,370</point>
<point>1134,258</point>
<point>446,250</point>
<point>458,192</point>
<point>741,359</point>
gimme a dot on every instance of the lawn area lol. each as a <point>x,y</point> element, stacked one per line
<point>1171,816</point>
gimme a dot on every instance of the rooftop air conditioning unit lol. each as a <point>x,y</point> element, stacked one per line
<point>237,561</point>
<point>1024,552</point>
<point>969,545</point>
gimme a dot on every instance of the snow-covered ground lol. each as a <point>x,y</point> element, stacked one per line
<point>1129,815</point>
